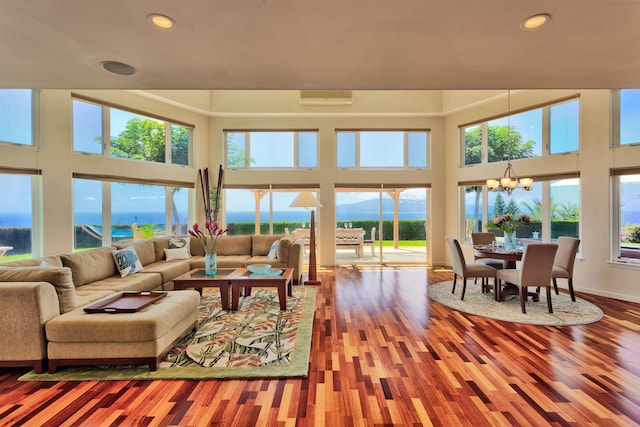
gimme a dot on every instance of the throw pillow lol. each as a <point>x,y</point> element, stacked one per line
<point>177,253</point>
<point>179,242</point>
<point>273,251</point>
<point>282,253</point>
<point>127,261</point>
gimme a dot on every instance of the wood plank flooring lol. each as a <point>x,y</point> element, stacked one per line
<point>383,354</point>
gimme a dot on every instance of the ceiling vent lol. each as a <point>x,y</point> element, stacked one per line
<point>326,97</point>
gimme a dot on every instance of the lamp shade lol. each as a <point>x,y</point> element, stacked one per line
<point>305,199</point>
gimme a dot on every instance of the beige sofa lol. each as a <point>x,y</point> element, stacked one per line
<point>34,291</point>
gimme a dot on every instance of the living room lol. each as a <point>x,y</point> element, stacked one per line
<point>382,352</point>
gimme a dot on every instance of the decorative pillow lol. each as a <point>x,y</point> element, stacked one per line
<point>127,261</point>
<point>273,250</point>
<point>179,242</point>
<point>282,253</point>
<point>177,253</point>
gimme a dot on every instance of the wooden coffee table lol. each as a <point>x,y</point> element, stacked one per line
<point>197,280</point>
<point>243,278</point>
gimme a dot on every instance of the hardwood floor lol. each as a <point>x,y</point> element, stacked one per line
<point>383,354</point>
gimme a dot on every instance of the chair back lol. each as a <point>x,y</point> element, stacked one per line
<point>537,263</point>
<point>483,238</point>
<point>373,234</point>
<point>566,255</point>
<point>457,257</point>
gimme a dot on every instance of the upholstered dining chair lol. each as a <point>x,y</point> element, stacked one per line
<point>535,270</point>
<point>487,238</point>
<point>563,263</point>
<point>464,270</point>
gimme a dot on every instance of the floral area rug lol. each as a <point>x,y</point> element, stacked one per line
<point>565,311</point>
<point>257,341</point>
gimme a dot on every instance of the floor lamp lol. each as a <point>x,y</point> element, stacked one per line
<point>306,199</point>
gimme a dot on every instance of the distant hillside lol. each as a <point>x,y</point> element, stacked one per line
<point>405,205</point>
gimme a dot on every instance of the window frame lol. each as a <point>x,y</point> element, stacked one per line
<point>616,226</point>
<point>405,147</point>
<point>545,130</point>
<point>106,109</point>
<point>248,160</point>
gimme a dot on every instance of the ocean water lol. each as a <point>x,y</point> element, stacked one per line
<point>127,218</point>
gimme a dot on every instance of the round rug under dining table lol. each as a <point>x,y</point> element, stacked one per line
<point>565,311</point>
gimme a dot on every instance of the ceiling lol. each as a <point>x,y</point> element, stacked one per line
<point>320,44</point>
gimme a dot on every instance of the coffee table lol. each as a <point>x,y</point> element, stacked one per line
<point>197,280</point>
<point>243,278</point>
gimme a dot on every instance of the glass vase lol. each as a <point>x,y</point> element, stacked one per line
<point>510,241</point>
<point>210,264</point>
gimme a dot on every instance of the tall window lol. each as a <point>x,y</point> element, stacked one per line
<point>130,135</point>
<point>272,149</point>
<point>16,214</point>
<point>628,112</point>
<point>524,134</point>
<point>115,212</point>
<point>16,116</point>
<point>382,149</point>
<point>626,187</point>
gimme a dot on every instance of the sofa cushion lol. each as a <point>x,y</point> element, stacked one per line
<point>127,261</point>
<point>91,265</point>
<point>234,245</point>
<point>169,270</point>
<point>260,244</point>
<point>196,247</point>
<point>284,244</point>
<point>135,283</point>
<point>145,249</point>
<point>177,253</point>
<point>59,277</point>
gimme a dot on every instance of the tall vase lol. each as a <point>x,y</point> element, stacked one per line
<point>210,264</point>
<point>510,241</point>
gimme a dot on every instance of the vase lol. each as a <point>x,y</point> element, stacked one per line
<point>510,241</point>
<point>210,264</point>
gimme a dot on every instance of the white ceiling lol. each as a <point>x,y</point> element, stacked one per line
<point>320,44</point>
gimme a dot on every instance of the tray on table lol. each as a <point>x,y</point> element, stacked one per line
<point>126,302</point>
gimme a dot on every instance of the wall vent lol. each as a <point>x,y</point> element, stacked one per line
<point>326,97</point>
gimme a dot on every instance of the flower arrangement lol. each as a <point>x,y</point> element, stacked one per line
<point>209,240</point>
<point>509,223</point>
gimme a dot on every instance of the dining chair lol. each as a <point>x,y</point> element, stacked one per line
<point>535,270</point>
<point>487,238</point>
<point>464,270</point>
<point>372,241</point>
<point>563,263</point>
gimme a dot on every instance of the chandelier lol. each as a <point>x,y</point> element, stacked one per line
<point>509,180</point>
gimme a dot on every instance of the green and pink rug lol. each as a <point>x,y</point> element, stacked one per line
<point>257,341</point>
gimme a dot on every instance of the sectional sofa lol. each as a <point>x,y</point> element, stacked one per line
<point>35,291</point>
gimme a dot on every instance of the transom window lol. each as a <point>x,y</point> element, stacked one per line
<point>550,129</point>
<point>626,112</point>
<point>382,149</point>
<point>265,149</point>
<point>16,116</point>
<point>99,129</point>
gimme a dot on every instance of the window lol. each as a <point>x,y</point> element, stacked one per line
<point>272,149</point>
<point>628,122</point>
<point>108,212</point>
<point>16,116</point>
<point>130,135</point>
<point>550,129</point>
<point>382,149</point>
<point>16,214</point>
<point>267,210</point>
<point>627,216</point>
<point>552,204</point>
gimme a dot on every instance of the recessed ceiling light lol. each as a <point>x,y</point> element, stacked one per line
<point>118,68</point>
<point>161,21</point>
<point>535,21</point>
